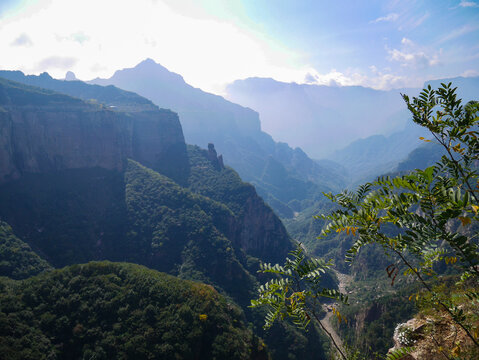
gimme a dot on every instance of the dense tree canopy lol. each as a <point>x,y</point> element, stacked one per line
<point>17,259</point>
<point>119,311</point>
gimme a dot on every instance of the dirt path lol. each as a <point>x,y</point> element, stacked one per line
<point>326,321</point>
<point>344,281</point>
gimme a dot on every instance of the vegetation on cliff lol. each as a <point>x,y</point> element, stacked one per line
<point>17,259</point>
<point>122,211</point>
<point>255,218</point>
<point>183,233</point>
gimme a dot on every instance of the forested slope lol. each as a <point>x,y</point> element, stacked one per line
<point>113,310</point>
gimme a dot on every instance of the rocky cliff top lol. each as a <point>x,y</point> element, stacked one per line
<point>110,96</point>
<point>42,131</point>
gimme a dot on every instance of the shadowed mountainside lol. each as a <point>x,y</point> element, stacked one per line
<point>41,130</point>
<point>114,310</point>
<point>76,197</point>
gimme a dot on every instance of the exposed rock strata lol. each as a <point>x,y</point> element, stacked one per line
<point>51,132</point>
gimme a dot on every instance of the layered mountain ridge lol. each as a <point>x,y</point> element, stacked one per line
<point>81,192</point>
<point>281,174</point>
<point>327,118</point>
<point>364,130</point>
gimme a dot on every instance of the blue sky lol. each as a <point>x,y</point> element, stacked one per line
<point>381,44</point>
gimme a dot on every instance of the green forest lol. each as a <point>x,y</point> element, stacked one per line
<point>144,218</point>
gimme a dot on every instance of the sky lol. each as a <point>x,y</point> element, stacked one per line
<point>382,44</point>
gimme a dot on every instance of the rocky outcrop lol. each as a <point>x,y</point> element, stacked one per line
<point>261,233</point>
<point>42,131</point>
<point>216,160</point>
<point>433,337</point>
<point>70,76</point>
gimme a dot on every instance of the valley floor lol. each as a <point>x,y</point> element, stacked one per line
<point>344,281</point>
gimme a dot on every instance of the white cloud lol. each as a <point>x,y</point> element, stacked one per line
<point>383,80</point>
<point>413,22</point>
<point>470,73</point>
<point>419,21</point>
<point>79,37</point>
<point>413,55</point>
<point>468,4</point>
<point>459,32</point>
<point>56,63</point>
<point>407,42</point>
<point>387,18</point>
<point>417,59</point>
<point>108,35</point>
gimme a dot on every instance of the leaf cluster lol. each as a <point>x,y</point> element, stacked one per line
<point>295,290</point>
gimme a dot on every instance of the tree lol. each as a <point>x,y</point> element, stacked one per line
<point>296,292</point>
<point>423,218</point>
<point>427,216</point>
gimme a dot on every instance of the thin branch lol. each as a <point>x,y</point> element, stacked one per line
<point>439,346</point>
<point>329,334</point>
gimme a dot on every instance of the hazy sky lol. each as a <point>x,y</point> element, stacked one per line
<point>378,43</point>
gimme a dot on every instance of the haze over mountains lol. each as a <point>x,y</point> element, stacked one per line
<point>74,188</point>
<point>326,118</point>
<point>367,131</point>
<point>178,175</point>
<point>313,115</point>
<point>94,172</point>
<point>281,174</point>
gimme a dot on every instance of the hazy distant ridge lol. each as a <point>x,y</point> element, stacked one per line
<point>281,174</point>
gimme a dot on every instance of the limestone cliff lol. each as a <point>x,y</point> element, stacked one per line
<point>43,131</point>
<point>256,229</point>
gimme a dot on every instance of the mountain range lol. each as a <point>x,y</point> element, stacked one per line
<point>96,180</point>
<point>325,118</point>
<point>366,131</point>
<point>92,172</point>
<point>280,173</point>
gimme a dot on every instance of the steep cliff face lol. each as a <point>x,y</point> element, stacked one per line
<point>256,229</point>
<point>262,233</point>
<point>371,323</point>
<point>42,131</point>
<point>68,189</point>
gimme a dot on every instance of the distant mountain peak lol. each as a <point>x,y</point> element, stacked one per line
<point>45,75</point>
<point>70,76</point>
<point>148,61</point>
<point>146,69</point>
